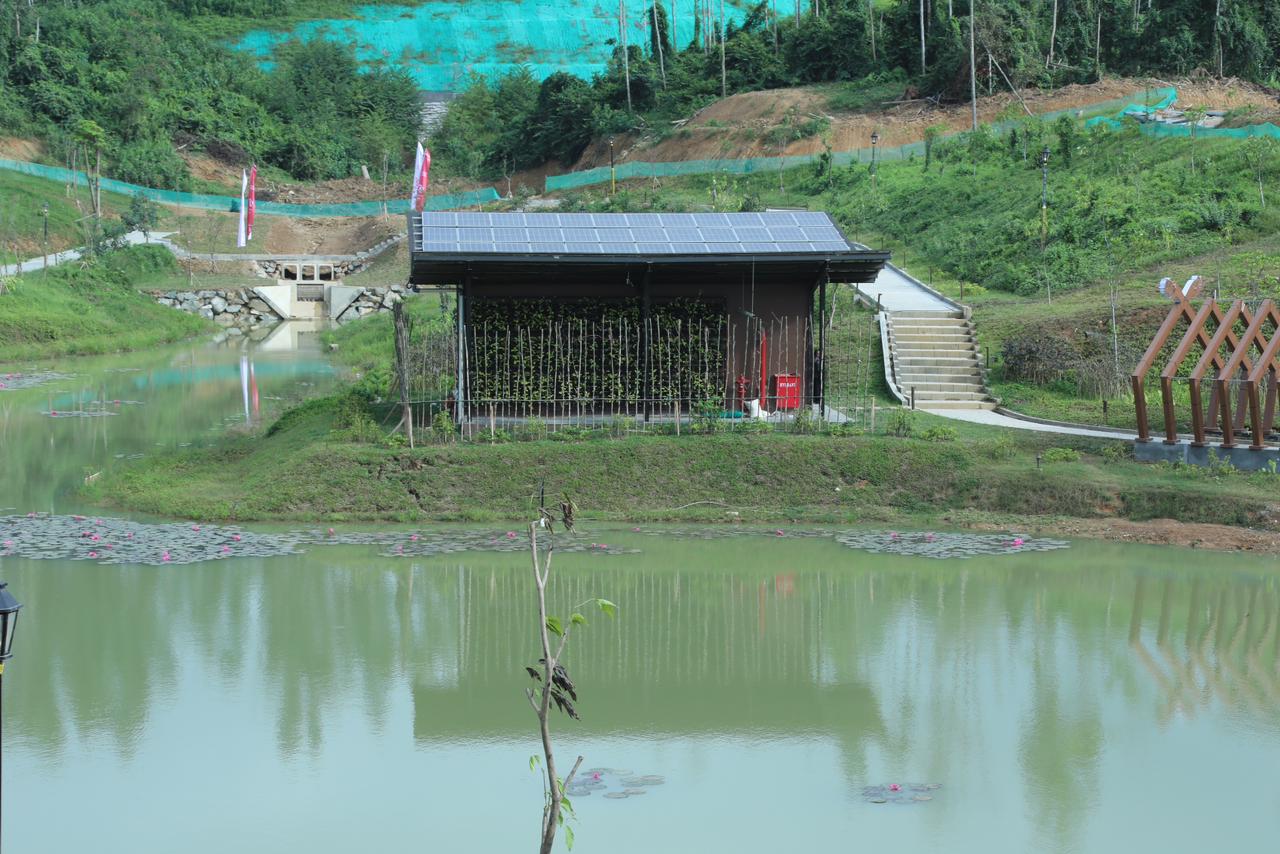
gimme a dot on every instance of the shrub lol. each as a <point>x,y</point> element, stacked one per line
<point>1117,452</point>
<point>1035,358</point>
<point>1060,455</point>
<point>902,422</point>
<point>940,434</point>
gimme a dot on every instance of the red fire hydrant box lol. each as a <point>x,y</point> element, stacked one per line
<point>786,391</point>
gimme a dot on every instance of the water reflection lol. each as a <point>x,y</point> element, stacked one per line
<point>117,408</point>
<point>1021,685</point>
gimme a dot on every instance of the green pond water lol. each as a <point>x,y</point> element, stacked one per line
<point>1100,698</point>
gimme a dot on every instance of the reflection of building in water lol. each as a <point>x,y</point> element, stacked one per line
<point>1213,643</point>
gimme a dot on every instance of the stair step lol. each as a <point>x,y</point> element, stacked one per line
<point>942,388</point>
<point>923,365</point>
<point>932,396</point>
<point>952,375</point>
<point>930,323</point>
<point>957,335</point>
<point>957,404</point>
<point>925,313</point>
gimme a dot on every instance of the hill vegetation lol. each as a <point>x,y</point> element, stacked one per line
<point>134,82</point>
<point>892,47</point>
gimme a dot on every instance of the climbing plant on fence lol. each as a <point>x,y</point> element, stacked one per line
<point>589,354</point>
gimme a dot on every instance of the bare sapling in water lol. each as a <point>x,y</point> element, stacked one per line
<point>552,684</point>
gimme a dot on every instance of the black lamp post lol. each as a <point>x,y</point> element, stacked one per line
<point>1044,196</point>
<point>613,174</point>
<point>9,608</point>
<point>44,211</point>
<point>875,140</point>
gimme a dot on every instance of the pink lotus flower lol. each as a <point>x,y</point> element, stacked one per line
<point>93,554</point>
<point>78,518</point>
<point>511,535</point>
<point>331,532</point>
<point>413,538</point>
<point>8,544</point>
<point>53,412</point>
<point>226,549</point>
<point>1017,541</point>
<point>235,537</point>
<point>779,532</point>
<point>893,535</point>
<point>894,787</point>
<point>195,527</point>
<point>165,557</point>
<point>129,536</point>
<point>97,521</point>
<point>95,538</point>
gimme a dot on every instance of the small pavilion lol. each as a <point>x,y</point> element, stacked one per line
<point>642,315</point>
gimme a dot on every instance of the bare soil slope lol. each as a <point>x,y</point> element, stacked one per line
<point>742,125</point>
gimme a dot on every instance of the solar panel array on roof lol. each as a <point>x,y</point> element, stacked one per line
<point>772,232</point>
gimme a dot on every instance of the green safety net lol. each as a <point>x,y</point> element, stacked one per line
<point>1134,111</point>
<point>751,165</point>
<point>441,43</point>
<point>229,203</point>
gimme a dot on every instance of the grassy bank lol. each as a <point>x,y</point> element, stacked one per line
<point>306,468</point>
<point>97,308</point>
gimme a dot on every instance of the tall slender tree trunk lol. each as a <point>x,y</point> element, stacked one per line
<point>724,77</point>
<point>1217,33</point>
<point>1053,35</point>
<point>626,52</point>
<point>657,40</point>
<point>1097,48</point>
<point>871,25</point>
<point>922,56</point>
<point>973,65</point>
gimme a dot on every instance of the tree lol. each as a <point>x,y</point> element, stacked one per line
<point>1257,153</point>
<point>551,681</point>
<point>141,215</point>
<point>931,135</point>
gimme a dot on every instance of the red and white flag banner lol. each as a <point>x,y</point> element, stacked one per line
<point>253,202</point>
<point>421,178</point>
<point>241,235</point>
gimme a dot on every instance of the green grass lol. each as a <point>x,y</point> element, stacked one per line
<point>303,470</point>
<point>367,344</point>
<point>22,198</point>
<point>78,310</point>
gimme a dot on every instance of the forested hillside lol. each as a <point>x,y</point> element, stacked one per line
<point>141,80</point>
<point>919,46</point>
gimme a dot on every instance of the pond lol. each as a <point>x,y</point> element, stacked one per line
<point>775,690</point>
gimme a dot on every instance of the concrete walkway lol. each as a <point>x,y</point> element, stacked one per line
<point>899,291</point>
<point>133,238</point>
<point>997,419</point>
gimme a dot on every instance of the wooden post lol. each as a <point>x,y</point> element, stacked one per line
<point>873,415</point>
<point>402,368</point>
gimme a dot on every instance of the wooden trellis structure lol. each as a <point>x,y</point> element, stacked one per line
<point>1240,346</point>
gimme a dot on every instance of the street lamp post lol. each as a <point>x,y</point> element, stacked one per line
<point>8,622</point>
<point>1044,196</point>
<point>44,211</point>
<point>613,172</point>
<point>875,140</point>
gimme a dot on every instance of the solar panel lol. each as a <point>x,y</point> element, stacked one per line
<point>648,234</point>
<point>631,234</point>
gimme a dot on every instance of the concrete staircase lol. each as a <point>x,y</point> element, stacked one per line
<point>933,356</point>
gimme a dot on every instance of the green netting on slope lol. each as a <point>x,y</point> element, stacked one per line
<point>442,42</point>
<point>1117,121</point>
<point>227,203</point>
<point>750,165</point>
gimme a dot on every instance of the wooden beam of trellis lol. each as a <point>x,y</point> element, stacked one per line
<point>1181,311</point>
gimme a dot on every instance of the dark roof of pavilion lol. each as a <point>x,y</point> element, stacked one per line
<point>446,246</point>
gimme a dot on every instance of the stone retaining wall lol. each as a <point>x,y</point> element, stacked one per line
<point>234,308</point>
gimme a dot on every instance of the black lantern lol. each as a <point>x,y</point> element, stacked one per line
<point>9,608</point>
<point>875,138</point>
<point>1044,156</point>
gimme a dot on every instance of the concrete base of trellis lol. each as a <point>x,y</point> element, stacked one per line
<point>1240,456</point>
